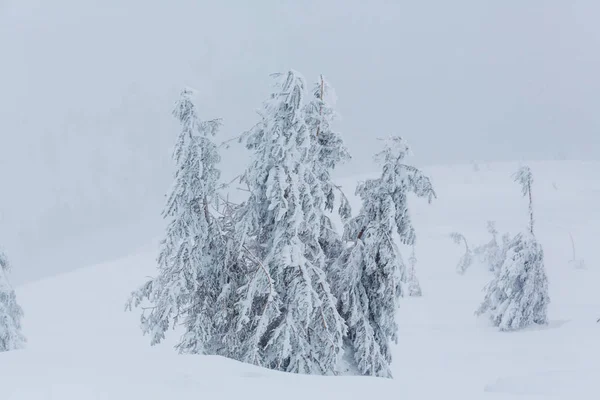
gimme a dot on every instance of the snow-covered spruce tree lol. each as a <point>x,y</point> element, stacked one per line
<point>191,258</point>
<point>328,151</point>
<point>238,261</point>
<point>467,259</point>
<point>518,295</point>
<point>414,288</point>
<point>367,274</point>
<point>286,316</point>
<point>11,336</point>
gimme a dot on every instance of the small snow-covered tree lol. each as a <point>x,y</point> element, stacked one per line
<point>190,263</point>
<point>518,295</point>
<point>466,259</point>
<point>328,151</point>
<point>285,315</point>
<point>577,263</point>
<point>414,288</point>
<point>491,253</point>
<point>366,276</point>
<point>11,336</point>
<point>524,177</point>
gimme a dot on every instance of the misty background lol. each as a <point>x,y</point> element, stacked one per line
<point>87,87</point>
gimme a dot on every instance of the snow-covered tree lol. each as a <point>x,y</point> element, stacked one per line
<point>366,277</point>
<point>491,253</point>
<point>466,259</point>
<point>239,261</point>
<point>190,264</point>
<point>328,151</point>
<point>577,263</point>
<point>11,336</point>
<point>414,288</point>
<point>524,177</point>
<point>518,295</point>
<point>285,314</point>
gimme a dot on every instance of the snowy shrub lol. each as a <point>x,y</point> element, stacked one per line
<point>491,254</point>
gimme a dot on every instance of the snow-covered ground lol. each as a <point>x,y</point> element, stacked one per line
<point>82,345</point>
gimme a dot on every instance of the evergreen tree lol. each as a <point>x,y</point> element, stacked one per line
<point>328,151</point>
<point>285,317</point>
<point>366,276</point>
<point>518,295</point>
<point>239,261</point>
<point>414,288</point>
<point>11,337</point>
<point>190,264</point>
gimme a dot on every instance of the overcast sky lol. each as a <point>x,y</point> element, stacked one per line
<point>86,90</point>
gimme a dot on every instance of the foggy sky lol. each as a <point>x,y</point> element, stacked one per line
<point>86,90</point>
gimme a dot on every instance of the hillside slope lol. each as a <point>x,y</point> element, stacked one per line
<point>82,345</point>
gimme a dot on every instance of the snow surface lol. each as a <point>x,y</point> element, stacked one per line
<point>82,345</point>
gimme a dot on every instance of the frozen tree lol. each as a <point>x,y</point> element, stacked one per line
<point>466,259</point>
<point>524,177</point>
<point>518,295</point>
<point>575,262</point>
<point>366,276</point>
<point>190,263</point>
<point>327,145</point>
<point>285,314</point>
<point>328,151</point>
<point>414,288</point>
<point>491,253</point>
<point>239,261</point>
<point>11,337</point>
